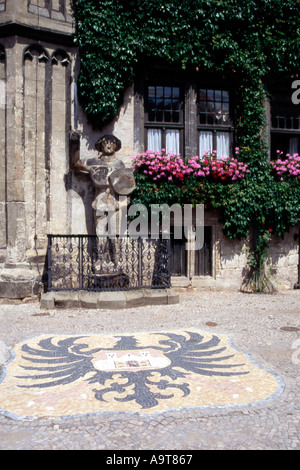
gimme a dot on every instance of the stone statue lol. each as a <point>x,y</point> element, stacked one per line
<point>110,179</point>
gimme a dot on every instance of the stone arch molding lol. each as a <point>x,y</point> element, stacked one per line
<point>35,50</point>
<point>60,57</point>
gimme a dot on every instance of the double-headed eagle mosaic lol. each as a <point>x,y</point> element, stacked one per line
<point>136,372</point>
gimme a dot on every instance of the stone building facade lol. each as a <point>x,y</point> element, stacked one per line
<point>39,194</point>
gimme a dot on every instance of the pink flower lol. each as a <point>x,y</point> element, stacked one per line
<point>163,164</point>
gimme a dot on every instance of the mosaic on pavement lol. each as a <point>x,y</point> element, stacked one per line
<point>64,375</point>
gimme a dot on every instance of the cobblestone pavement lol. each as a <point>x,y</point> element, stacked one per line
<point>254,323</point>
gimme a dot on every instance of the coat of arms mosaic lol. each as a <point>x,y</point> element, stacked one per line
<point>62,375</point>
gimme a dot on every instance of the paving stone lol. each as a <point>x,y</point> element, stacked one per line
<point>244,318</point>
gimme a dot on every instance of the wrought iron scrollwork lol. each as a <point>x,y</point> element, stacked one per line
<point>87,262</point>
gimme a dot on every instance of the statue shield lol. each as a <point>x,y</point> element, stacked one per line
<point>122,181</point>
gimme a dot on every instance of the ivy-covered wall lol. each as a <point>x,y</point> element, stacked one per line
<point>247,40</point>
<point>250,38</point>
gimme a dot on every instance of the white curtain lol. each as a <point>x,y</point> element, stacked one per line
<point>293,145</point>
<point>154,139</point>
<point>222,144</point>
<point>205,142</point>
<point>172,141</point>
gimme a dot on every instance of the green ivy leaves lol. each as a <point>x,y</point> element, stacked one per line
<point>113,36</point>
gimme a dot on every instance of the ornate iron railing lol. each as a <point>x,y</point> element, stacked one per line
<point>87,262</point>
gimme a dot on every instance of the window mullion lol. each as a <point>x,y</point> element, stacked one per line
<point>190,120</point>
<point>163,137</point>
<point>214,140</point>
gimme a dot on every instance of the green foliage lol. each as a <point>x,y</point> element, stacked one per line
<point>251,37</point>
<point>247,39</point>
<point>256,200</point>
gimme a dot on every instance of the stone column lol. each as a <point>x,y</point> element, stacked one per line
<point>36,63</point>
<point>2,155</point>
<point>15,156</point>
<point>60,215</point>
<point>16,277</point>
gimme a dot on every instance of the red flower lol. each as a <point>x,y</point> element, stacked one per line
<point>270,230</point>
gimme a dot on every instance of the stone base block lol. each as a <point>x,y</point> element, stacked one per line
<point>114,300</point>
<point>155,297</point>
<point>48,300</point>
<point>109,300</point>
<point>134,298</point>
<point>18,283</point>
<point>65,300</point>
